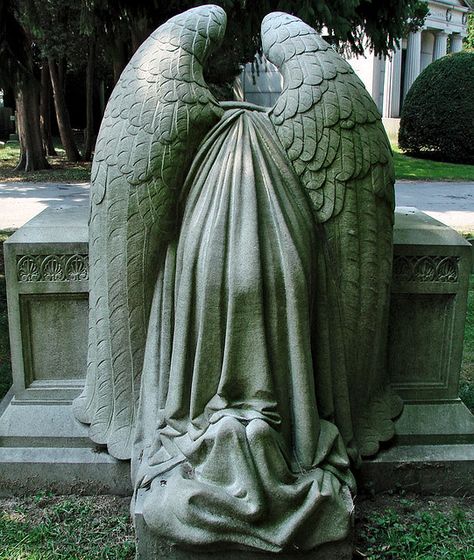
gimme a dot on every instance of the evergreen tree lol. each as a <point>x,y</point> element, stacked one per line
<point>69,34</point>
<point>17,70</point>
<point>355,23</point>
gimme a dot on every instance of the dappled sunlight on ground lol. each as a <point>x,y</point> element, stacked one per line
<point>20,202</point>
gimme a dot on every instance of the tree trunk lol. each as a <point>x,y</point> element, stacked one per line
<point>62,113</point>
<point>119,57</point>
<point>89,139</point>
<point>45,110</point>
<point>102,98</point>
<point>140,30</point>
<point>32,156</point>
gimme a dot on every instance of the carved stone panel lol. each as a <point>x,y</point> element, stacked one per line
<point>54,327</point>
<point>52,268</point>
<point>425,268</point>
<point>421,322</point>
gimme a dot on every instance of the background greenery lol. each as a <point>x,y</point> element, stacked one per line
<point>437,117</point>
<point>61,170</point>
<point>406,168</point>
<point>423,169</point>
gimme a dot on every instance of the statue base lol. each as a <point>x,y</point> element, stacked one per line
<point>149,547</point>
<point>43,448</point>
<point>42,445</point>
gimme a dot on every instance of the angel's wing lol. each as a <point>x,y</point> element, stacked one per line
<point>335,139</point>
<point>157,115</point>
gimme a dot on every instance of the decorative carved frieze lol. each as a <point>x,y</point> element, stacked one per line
<point>425,268</point>
<point>52,268</point>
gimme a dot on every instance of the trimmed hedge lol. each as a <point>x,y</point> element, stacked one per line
<point>437,118</point>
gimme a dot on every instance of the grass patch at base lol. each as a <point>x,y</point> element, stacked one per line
<point>388,527</point>
<point>47,527</point>
<point>61,170</point>
<point>415,528</point>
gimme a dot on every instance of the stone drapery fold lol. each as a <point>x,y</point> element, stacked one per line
<point>229,440</point>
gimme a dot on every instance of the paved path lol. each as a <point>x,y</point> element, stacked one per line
<point>19,202</point>
<point>451,203</point>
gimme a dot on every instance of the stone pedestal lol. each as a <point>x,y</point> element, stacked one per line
<point>434,445</point>
<point>47,272</point>
<point>431,271</point>
<point>41,444</point>
<point>150,548</point>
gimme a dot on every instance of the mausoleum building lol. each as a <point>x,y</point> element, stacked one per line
<point>387,79</point>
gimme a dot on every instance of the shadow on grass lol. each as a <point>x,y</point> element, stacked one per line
<point>412,527</point>
<point>421,169</point>
<point>62,171</point>
<point>46,526</point>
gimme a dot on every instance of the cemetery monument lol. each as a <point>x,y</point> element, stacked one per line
<point>240,266</point>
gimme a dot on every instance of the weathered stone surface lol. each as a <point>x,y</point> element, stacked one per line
<point>434,453</point>
<point>42,445</point>
<point>240,264</point>
<point>239,278</point>
<point>431,422</point>
<point>151,548</point>
<point>430,285</point>
<point>445,470</point>
<point>434,443</point>
<point>47,271</point>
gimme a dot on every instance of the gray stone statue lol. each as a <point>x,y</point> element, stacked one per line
<point>240,268</point>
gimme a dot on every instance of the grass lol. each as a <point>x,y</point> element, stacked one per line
<point>46,527</point>
<point>61,170</point>
<point>389,527</point>
<point>415,528</point>
<point>416,169</point>
<point>406,167</point>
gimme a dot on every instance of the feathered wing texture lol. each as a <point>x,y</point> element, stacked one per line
<point>334,137</point>
<point>158,113</point>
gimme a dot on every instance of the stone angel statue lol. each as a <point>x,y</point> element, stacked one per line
<point>240,267</point>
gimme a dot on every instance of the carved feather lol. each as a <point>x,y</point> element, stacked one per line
<point>157,115</point>
<point>335,139</point>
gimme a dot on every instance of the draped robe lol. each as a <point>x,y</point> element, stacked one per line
<point>229,445</point>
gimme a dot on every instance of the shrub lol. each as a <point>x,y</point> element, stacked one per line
<point>438,112</point>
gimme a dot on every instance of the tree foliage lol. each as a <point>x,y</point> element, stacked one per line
<point>69,34</point>
<point>469,39</point>
<point>15,48</point>
<point>356,23</point>
<point>438,113</point>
